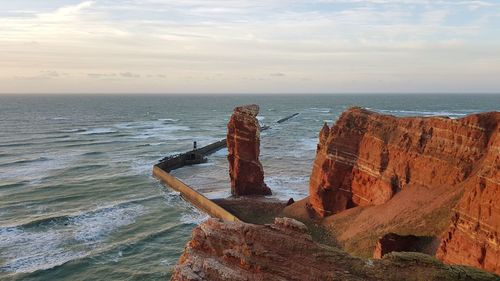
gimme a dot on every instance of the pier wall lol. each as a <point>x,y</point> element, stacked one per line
<point>197,199</point>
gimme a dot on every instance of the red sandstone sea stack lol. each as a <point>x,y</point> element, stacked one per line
<point>243,144</point>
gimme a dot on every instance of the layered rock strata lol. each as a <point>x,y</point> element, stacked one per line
<point>366,157</point>
<point>474,235</point>
<point>243,144</point>
<point>285,251</point>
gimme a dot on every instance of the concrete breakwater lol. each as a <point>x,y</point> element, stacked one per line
<point>197,199</point>
<point>198,155</point>
<point>195,156</point>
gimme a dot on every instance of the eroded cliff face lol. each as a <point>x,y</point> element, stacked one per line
<point>234,251</point>
<point>474,235</point>
<point>243,144</point>
<point>366,157</point>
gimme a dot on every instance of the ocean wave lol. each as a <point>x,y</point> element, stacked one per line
<point>16,144</point>
<point>24,251</point>
<point>28,250</point>
<point>309,144</point>
<point>85,167</point>
<point>52,220</point>
<point>284,187</point>
<point>86,144</point>
<point>168,120</point>
<point>90,227</point>
<point>194,216</point>
<point>424,113</point>
<point>25,161</point>
<point>150,144</point>
<point>319,109</point>
<point>60,257</point>
<point>13,184</point>
<point>71,130</point>
<point>92,153</point>
<point>98,131</point>
<point>33,171</point>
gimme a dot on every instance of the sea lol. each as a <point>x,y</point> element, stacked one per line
<point>77,198</point>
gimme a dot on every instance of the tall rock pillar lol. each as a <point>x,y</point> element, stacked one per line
<point>243,144</point>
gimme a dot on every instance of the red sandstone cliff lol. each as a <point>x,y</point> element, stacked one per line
<point>474,235</point>
<point>243,144</point>
<point>367,158</point>
<point>234,251</point>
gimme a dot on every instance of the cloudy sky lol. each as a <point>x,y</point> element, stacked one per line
<point>254,46</point>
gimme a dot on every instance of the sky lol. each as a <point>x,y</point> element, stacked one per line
<point>255,46</point>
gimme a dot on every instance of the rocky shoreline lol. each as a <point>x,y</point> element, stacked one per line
<point>381,186</point>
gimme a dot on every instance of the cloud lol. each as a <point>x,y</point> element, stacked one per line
<point>191,40</point>
<point>42,75</point>
<point>101,75</point>
<point>277,74</point>
<point>130,75</point>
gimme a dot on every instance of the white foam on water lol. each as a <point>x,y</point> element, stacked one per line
<point>168,119</point>
<point>284,187</point>
<point>24,251</point>
<point>309,144</point>
<point>98,131</point>
<point>424,113</point>
<point>319,109</point>
<point>157,130</point>
<point>219,193</point>
<point>90,227</point>
<point>73,130</point>
<point>193,216</point>
<point>37,170</point>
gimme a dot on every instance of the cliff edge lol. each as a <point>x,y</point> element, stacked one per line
<point>405,175</point>
<point>234,251</point>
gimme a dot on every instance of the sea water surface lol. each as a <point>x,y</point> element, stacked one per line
<point>77,199</point>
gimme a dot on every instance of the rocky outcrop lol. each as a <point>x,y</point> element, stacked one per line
<point>243,144</point>
<point>474,235</point>
<point>366,158</point>
<point>285,251</point>
<point>392,242</point>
